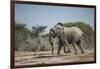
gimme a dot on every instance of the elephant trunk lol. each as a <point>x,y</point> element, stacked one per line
<point>51,40</point>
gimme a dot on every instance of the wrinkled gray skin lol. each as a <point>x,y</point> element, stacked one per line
<point>66,36</point>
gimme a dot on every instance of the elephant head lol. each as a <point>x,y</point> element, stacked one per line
<point>54,32</point>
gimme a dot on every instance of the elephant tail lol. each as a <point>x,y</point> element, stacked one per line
<point>84,35</point>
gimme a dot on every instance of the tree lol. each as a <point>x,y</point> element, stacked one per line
<point>36,33</point>
<point>21,33</point>
<point>26,40</point>
<point>37,30</point>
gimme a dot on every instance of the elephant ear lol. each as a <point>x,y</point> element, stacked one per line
<point>52,33</point>
<point>61,24</point>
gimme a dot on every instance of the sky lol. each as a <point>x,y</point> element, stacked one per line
<point>43,15</point>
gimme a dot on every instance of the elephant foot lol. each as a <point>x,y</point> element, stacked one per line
<point>35,54</point>
<point>82,52</point>
<point>58,54</point>
<point>67,51</point>
<point>51,53</point>
<point>75,53</point>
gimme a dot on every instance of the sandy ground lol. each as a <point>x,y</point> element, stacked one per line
<point>45,57</point>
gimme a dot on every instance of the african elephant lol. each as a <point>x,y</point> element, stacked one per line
<point>66,36</point>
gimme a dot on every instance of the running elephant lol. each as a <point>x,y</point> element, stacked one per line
<point>66,36</point>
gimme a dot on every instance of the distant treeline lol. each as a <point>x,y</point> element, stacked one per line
<point>30,40</point>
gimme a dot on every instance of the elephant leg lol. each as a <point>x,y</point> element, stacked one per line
<point>59,48</point>
<point>52,50</point>
<point>64,47</point>
<point>67,45</point>
<point>80,46</point>
<point>75,49</point>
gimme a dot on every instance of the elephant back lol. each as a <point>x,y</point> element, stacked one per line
<point>73,34</point>
<point>74,30</point>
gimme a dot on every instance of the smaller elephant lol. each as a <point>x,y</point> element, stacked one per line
<point>66,36</point>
